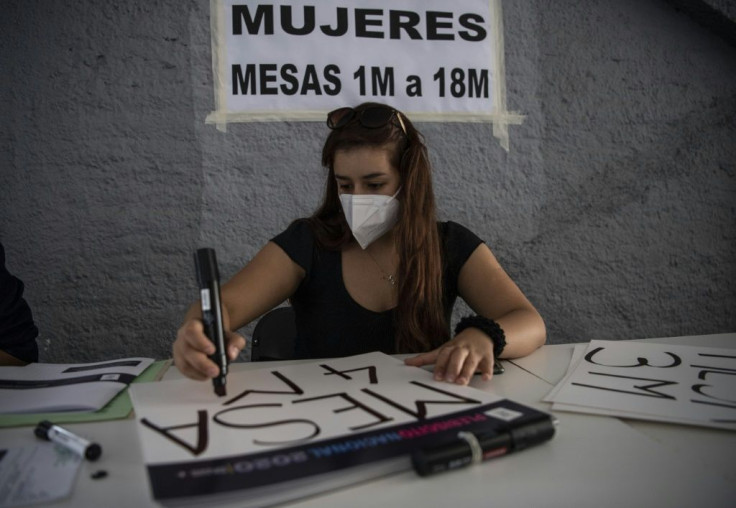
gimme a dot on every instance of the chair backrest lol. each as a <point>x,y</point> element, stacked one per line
<point>274,336</point>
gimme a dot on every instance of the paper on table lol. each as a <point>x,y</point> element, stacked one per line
<point>119,407</point>
<point>577,355</point>
<point>662,382</point>
<point>66,387</point>
<point>176,402</point>
<point>36,473</point>
<point>297,430</point>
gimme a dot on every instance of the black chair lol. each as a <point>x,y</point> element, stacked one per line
<point>274,336</point>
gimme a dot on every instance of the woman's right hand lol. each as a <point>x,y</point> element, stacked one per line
<point>192,349</point>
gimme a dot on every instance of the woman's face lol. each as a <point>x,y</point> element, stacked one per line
<point>366,170</point>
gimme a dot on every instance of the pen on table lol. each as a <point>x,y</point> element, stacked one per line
<point>208,277</point>
<point>479,445</point>
<point>50,432</point>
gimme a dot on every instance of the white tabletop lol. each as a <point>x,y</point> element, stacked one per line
<point>592,460</point>
<point>708,449</point>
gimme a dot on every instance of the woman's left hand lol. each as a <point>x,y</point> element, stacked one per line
<point>458,359</point>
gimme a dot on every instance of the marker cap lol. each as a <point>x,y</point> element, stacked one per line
<point>42,429</point>
<point>91,451</point>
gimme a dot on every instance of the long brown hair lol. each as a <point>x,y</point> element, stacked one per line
<point>419,315</point>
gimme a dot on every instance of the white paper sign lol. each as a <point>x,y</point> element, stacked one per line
<point>298,59</point>
<point>272,408</point>
<point>297,430</point>
<point>50,387</point>
<point>685,384</point>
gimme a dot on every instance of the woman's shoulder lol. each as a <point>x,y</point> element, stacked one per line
<point>458,243</point>
<point>298,241</point>
<point>298,234</point>
<point>299,226</point>
<point>452,232</point>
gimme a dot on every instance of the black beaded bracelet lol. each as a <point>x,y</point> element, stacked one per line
<point>487,326</point>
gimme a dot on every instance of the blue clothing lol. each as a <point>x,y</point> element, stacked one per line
<point>329,322</point>
<point>17,331</point>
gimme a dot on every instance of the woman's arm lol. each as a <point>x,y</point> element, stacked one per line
<point>7,359</point>
<point>491,293</point>
<point>267,280</point>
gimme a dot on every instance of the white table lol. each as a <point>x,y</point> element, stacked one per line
<point>708,449</point>
<point>595,461</point>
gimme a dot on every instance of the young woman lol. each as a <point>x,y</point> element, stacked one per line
<point>372,269</point>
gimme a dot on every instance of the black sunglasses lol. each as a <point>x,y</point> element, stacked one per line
<point>371,117</point>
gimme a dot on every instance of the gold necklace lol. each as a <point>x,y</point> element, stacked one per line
<point>386,276</point>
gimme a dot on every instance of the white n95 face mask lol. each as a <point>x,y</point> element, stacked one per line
<point>370,216</point>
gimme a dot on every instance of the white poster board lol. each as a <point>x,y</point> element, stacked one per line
<point>671,383</point>
<point>54,387</point>
<point>297,60</point>
<point>285,432</point>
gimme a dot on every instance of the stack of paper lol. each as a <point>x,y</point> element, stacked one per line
<point>671,383</point>
<point>46,387</point>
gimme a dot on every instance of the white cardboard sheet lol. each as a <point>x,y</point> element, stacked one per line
<point>662,382</point>
<point>291,405</point>
<point>50,387</point>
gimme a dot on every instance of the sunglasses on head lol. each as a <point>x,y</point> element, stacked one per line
<point>371,117</point>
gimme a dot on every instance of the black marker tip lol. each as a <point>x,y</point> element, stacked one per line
<point>220,390</point>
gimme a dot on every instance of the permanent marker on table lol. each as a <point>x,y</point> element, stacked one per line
<point>479,445</point>
<point>50,432</point>
<point>209,288</point>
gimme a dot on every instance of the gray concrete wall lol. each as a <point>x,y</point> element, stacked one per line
<point>614,210</point>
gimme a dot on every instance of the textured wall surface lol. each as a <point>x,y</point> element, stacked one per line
<point>614,210</point>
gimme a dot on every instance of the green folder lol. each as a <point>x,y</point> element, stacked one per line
<point>119,407</point>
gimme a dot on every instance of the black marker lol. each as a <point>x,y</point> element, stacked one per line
<point>475,447</point>
<point>209,288</point>
<point>50,432</point>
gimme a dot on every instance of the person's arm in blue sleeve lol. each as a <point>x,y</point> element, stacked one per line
<point>18,332</point>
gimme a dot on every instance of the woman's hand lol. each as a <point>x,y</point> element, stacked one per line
<point>458,359</point>
<point>192,348</point>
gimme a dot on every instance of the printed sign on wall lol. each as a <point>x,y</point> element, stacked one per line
<point>297,60</point>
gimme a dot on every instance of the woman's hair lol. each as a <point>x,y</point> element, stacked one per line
<point>419,316</point>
